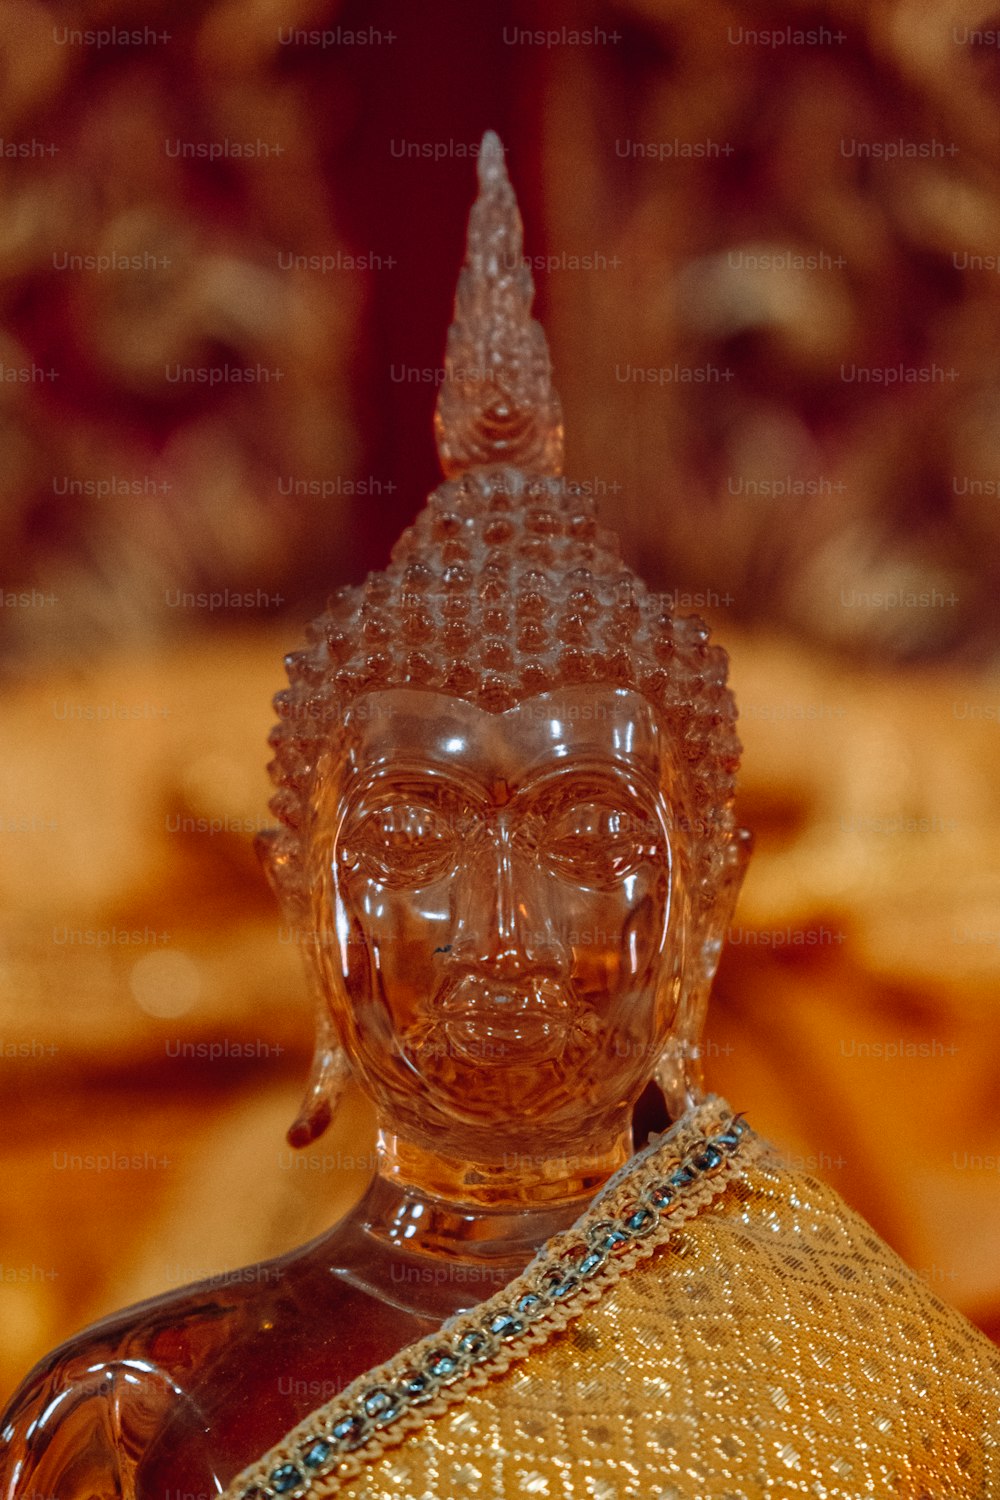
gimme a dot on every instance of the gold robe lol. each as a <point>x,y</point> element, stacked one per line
<point>715,1327</point>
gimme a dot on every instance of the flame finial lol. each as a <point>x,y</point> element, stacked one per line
<point>497,404</point>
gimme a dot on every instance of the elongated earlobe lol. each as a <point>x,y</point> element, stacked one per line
<point>330,1069</point>
<point>330,1072</point>
<point>679,1071</point>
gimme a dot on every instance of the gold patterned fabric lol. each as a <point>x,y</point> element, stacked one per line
<point>762,1341</point>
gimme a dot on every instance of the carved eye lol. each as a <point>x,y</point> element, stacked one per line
<point>597,844</point>
<point>405,844</point>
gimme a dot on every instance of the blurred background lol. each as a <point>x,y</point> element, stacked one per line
<point>766,243</point>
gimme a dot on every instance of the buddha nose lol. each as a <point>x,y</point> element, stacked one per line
<point>504,921</point>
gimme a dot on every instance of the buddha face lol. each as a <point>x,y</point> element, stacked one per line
<point>500,911</point>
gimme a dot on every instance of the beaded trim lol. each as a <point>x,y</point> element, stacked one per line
<point>636,1211</point>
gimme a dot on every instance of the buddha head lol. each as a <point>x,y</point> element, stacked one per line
<point>505,772</point>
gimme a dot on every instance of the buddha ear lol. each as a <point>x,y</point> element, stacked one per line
<point>679,1069</point>
<point>277,858</point>
<point>735,860</point>
<point>328,1075</point>
<point>330,1069</point>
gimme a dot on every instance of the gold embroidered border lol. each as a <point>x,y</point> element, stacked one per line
<point>686,1141</point>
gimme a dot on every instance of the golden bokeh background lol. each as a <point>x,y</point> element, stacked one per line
<point>766,243</point>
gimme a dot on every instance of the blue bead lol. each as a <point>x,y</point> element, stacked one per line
<point>707,1159</point>
<point>682,1177</point>
<point>442,1364</point>
<point>316,1454</point>
<point>505,1326</point>
<point>660,1196</point>
<point>641,1220</point>
<point>286,1478</point>
<point>590,1263</point>
<point>349,1431</point>
<point>376,1402</point>
<point>473,1343</point>
<point>608,1238</point>
<point>530,1305</point>
<point>416,1385</point>
<point>727,1141</point>
<point>563,1288</point>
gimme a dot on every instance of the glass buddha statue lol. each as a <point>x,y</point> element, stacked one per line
<point>505,780</point>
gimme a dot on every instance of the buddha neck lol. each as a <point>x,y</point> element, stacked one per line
<point>470,1229</point>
